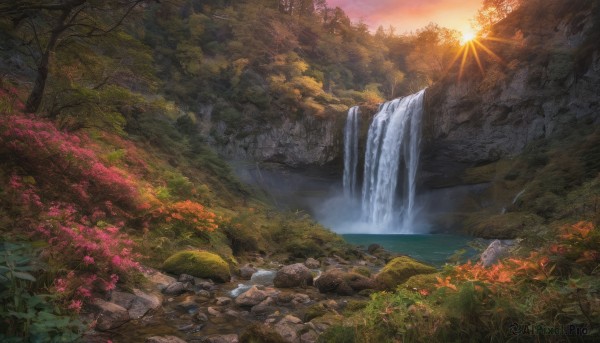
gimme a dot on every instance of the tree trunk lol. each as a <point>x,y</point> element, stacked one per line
<point>35,97</point>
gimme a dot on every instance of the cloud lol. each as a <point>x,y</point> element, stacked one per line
<point>410,15</point>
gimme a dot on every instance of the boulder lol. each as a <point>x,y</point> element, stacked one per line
<point>164,339</point>
<point>247,271</point>
<point>294,275</point>
<point>198,263</point>
<point>261,333</point>
<point>400,269</point>
<point>343,283</point>
<point>160,280</point>
<point>373,247</point>
<point>110,315</point>
<point>186,278</point>
<point>138,303</point>
<point>251,297</point>
<point>175,288</point>
<point>223,301</point>
<point>493,253</point>
<point>312,263</point>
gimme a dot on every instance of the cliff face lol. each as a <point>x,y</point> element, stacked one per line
<point>308,140</point>
<point>546,80</point>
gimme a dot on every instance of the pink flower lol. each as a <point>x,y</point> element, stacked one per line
<point>116,260</point>
<point>87,260</point>
<point>75,305</point>
<point>61,285</point>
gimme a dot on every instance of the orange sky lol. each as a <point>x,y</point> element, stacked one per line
<point>409,15</point>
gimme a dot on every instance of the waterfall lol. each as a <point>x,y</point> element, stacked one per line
<point>393,134</point>
<point>351,152</point>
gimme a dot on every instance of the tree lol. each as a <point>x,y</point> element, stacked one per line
<point>492,11</point>
<point>48,25</point>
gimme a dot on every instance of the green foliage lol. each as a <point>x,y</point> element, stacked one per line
<point>202,264</point>
<point>26,314</point>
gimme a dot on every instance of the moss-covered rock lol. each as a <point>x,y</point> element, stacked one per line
<point>400,269</point>
<point>198,263</point>
<point>422,281</point>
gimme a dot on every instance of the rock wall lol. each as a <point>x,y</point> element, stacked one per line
<point>308,140</point>
<point>546,80</point>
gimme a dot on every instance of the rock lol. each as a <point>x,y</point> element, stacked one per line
<point>160,280</point>
<point>493,253</point>
<point>251,297</point>
<point>205,285</point>
<point>312,263</point>
<point>343,283</point>
<point>232,338</point>
<point>203,293</point>
<point>294,275</point>
<point>214,312</point>
<point>186,278</point>
<point>198,263</point>
<point>201,317</point>
<point>247,271</point>
<point>261,333</point>
<point>400,269</point>
<point>373,247</point>
<point>109,315</point>
<point>164,339</point>
<point>309,337</point>
<point>422,281</point>
<point>223,301</point>
<point>288,328</point>
<point>175,288</point>
<point>188,305</point>
<point>265,307</point>
<point>138,303</point>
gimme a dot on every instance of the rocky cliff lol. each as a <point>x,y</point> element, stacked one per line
<point>307,140</point>
<point>544,78</point>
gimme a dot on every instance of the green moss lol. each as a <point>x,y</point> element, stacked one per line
<point>364,271</point>
<point>400,269</point>
<point>198,263</point>
<point>314,311</point>
<point>422,281</point>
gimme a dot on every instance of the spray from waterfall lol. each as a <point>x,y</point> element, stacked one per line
<point>351,152</point>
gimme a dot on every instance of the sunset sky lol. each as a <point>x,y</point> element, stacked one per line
<point>409,15</point>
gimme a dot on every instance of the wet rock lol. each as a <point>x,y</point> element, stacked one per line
<point>203,293</point>
<point>312,263</point>
<point>232,338</point>
<point>247,271</point>
<point>261,333</point>
<point>175,288</point>
<point>110,315</point>
<point>251,297</point>
<point>164,339</point>
<point>493,253</point>
<point>343,283</point>
<point>201,317</point>
<point>138,303</point>
<point>188,305</point>
<point>214,312</point>
<point>265,307</point>
<point>310,336</point>
<point>288,328</point>
<point>294,275</point>
<point>160,280</point>
<point>205,285</point>
<point>223,301</point>
<point>186,278</point>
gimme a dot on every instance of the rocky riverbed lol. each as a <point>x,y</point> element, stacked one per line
<point>264,299</point>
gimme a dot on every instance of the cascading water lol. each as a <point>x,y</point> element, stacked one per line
<point>351,152</point>
<point>394,133</point>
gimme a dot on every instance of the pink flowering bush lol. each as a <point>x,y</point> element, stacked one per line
<point>95,257</point>
<point>61,165</point>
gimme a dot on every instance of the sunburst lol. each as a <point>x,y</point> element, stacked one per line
<point>472,45</point>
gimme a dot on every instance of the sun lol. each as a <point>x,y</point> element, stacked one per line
<point>467,36</point>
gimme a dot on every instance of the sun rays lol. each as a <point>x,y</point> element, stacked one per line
<point>471,46</point>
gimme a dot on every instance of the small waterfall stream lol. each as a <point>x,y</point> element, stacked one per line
<point>351,152</point>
